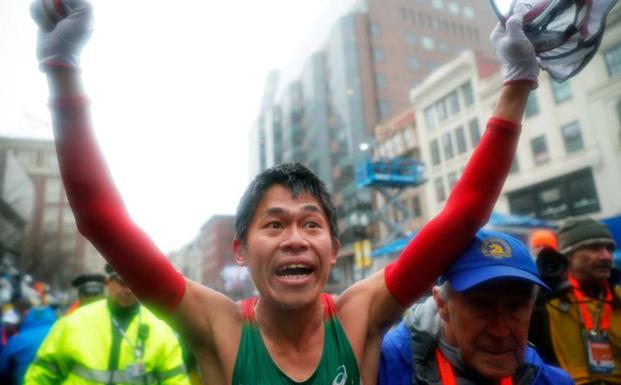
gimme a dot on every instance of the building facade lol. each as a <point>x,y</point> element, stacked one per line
<point>52,237</point>
<point>568,159</point>
<point>320,112</point>
<point>16,203</point>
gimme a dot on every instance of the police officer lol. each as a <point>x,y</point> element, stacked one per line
<point>90,287</point>
<point>114,340</point>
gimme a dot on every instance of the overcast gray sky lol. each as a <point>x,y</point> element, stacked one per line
<point>175,87</point>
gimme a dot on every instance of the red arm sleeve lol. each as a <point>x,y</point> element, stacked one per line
<point>467,209</point>
<point>100,213</point>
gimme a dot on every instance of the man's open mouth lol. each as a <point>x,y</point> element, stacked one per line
<point>294,270</point>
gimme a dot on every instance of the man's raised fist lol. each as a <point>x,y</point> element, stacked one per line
<point>64,28</point>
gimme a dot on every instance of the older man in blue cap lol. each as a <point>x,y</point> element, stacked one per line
<point>474,329</point>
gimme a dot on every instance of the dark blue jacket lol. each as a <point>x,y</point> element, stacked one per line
<point>397,357</point>
<point>21,348</point>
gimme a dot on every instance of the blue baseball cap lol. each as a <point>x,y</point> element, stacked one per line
<point>490,256</point>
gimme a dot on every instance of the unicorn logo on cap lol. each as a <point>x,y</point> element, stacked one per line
<point>495,248</point>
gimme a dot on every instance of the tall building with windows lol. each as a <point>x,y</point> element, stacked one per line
<point>568,160</point>
<point>321,109</point>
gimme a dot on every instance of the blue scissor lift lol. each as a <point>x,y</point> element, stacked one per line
<point>390,177</point>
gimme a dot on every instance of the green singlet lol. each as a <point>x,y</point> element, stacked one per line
<point>254,366</point>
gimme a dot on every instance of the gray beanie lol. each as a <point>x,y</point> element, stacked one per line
<point>581,232</point>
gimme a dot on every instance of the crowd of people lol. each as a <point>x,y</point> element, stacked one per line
<point>104,327</point>
<point>142,322</point>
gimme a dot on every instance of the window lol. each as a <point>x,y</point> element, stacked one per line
<point>441,110</point>
<point>413,63</point>
<point>447,146</point>
<point>467,94</point>
<point>410,38</point>
<point>68,242</point>
<point>26,158</point>
<point>437,4</point>
<point>613,61</point>
<point>380,80</point>
<point>435,152</point>
<point>552,201</point>
<point>582,193</point>
<point>68,219</point>
<point>430,118</point>
<point>443,47</point>
<point>397,143</point>
<point>431,65</point>
<point>460,139</point>
<point>440,193</point>
<point>453,8</point>
<point>53,190</point>
<point>572,137</point>
<point>452,179</point>
<point>540,149</point>
<point>475,134</point>
<point>523,203</point>
<point>50,215</point>
<point>408,137</point>
<point>515,166</point>
<point>404,14</point>
<point>453,103</point>
<point>375,30</point>
<point>384,108</point>
<point>416,206</point>
<point>532,105</point>
<point>569,195</point>
<point>427,43</point>
<point>468,12</point>
<point>50,159</point>
<point>561,90</point>
<point>378,55</point>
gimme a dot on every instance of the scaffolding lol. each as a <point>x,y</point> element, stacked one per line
<point>390,178</point>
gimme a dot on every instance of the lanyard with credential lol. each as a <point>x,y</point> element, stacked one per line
<point>138,346</point>
<point>448,377</point>
<point>598,351</point>
<point>589,323</point>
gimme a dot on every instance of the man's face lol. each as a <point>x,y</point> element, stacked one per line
<point>288,250</point>
<point>119,293</point>
<point>489,325</point>
<point>592,263</point>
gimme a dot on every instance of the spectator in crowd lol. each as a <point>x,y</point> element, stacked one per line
<point>22,347</point>
<point>578,326</point>
<point>474,328</point>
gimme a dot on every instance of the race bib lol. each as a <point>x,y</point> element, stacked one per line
<point>600,356</point>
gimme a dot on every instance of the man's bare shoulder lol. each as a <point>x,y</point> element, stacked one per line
<point>360,294</point>
<point>369,301</point>
<point>204,313</point>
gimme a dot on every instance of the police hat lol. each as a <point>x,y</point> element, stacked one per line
<point>89,284</point>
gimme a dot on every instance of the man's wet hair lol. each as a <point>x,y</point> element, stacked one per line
<point>294,176</point>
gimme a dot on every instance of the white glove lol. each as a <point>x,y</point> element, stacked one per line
<point>515,51</point>
<point>64,28</point>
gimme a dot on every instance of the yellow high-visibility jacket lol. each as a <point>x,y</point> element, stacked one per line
<point>78,348</point>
